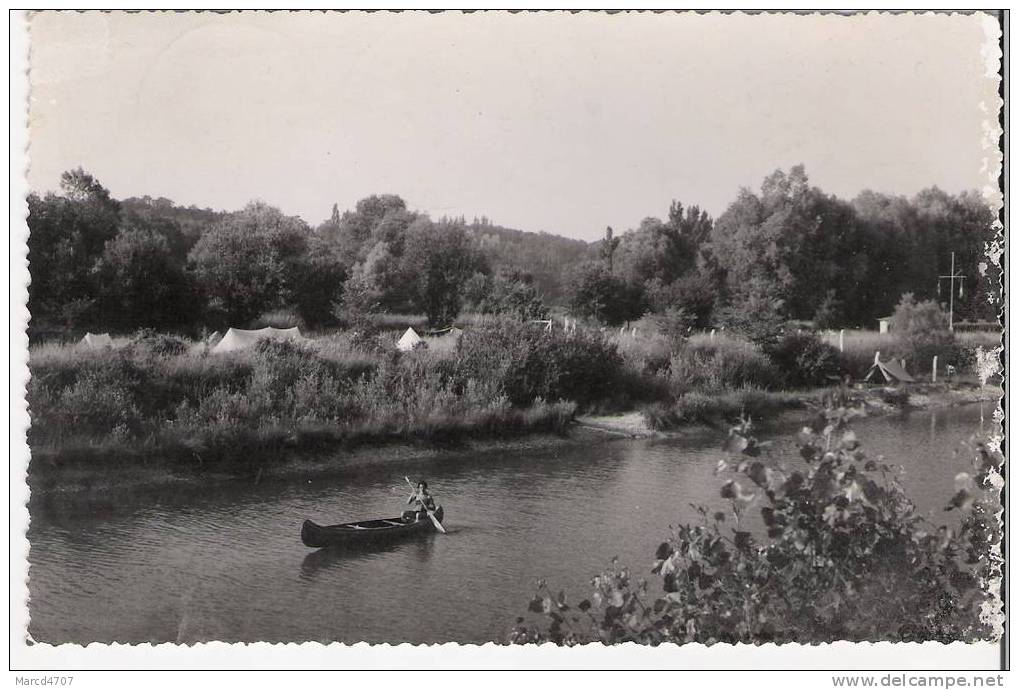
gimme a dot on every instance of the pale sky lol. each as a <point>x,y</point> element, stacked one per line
<point>544,122</point>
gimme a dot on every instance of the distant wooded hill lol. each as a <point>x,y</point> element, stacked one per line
<point>550,259</point>
<point>547,258</point>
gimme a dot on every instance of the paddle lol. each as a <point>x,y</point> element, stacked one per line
<point>431,514</point>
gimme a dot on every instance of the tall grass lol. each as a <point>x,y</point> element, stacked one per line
<point>861,345</point>
<point>238,409</point>
<point>697,407</point>
<point>162,397</point>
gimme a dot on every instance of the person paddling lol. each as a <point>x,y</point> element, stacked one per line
<point>423,502</point>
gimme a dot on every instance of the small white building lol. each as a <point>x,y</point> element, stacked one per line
<point>884,324</point>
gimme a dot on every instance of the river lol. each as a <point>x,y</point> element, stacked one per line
<point>227,564</point>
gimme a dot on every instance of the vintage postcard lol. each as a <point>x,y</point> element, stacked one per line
<point>667,331</point>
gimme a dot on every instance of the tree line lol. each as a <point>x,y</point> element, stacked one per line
<point>100,263</point>
<point>789,251</point>
<point>793,252</point>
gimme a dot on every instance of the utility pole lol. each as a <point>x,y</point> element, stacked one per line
<point>951,278</point>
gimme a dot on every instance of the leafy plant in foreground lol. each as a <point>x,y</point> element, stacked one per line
<point>833,550</point>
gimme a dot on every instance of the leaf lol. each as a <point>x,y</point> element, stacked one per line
<point>757,474</point>
<point>546,605</point>
<point>962,500</point>
<point>585,605</point>
<point>849,440</point>
<point>535,605</point>
<point>664,550</point>
<point>736,444</point>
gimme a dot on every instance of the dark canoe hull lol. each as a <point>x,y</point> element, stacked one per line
<point>366,532</point>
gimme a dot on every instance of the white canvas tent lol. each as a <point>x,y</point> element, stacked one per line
<point>443,340</point>
<point>97,341</point>
<point>408,341</point>
<point>239,339</point>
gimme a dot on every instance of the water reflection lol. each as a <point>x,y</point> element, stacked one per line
<point>337,557</point>
<point>228,563</point>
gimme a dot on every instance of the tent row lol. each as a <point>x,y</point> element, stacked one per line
<point>235,338</point>
<point>442,340</point>
<point>241,339</point>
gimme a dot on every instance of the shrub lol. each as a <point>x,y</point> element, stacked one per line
<point>159,344</point>
<point>99,402</point>
<point>720,364</point>
<point>280,318</point>
<point>895,396</point>
<point>921,332</point>
<point>804,360</point>
<point>987,365</point>
<point>660,416</point>
<point>695,407</point>
<point>530,363</point>
<point>675,323</point>
<point>597,293</point>
<point>839,553</point>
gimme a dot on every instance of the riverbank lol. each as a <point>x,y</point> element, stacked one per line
<point>48,478</point>
<point>874,400</point>
<point>52,480</point>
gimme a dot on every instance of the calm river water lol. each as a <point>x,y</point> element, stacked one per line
<point>229,565</point>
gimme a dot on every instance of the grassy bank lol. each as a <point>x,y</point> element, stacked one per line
<point>238,412</point>
<point>859,347</point>
<point>159,401</point>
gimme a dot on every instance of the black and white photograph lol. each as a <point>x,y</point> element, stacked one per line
<point>672,330</point>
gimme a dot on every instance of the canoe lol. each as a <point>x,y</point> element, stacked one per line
<point>365,532</point>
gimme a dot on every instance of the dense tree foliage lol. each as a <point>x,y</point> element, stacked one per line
<point>791,251</point>
<point>439,259</point>
<point>921,332</point>
<point>599,294</point>
<point>788,251</point>
<point>850,262</point>
<point>67,235</point>
<point>248,263</point>
<point>139,281</point>
<point>508,291</point>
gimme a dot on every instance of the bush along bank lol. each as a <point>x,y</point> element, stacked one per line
<point>237,412</point>
<point>827,548</point>
<point>161,399</point>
